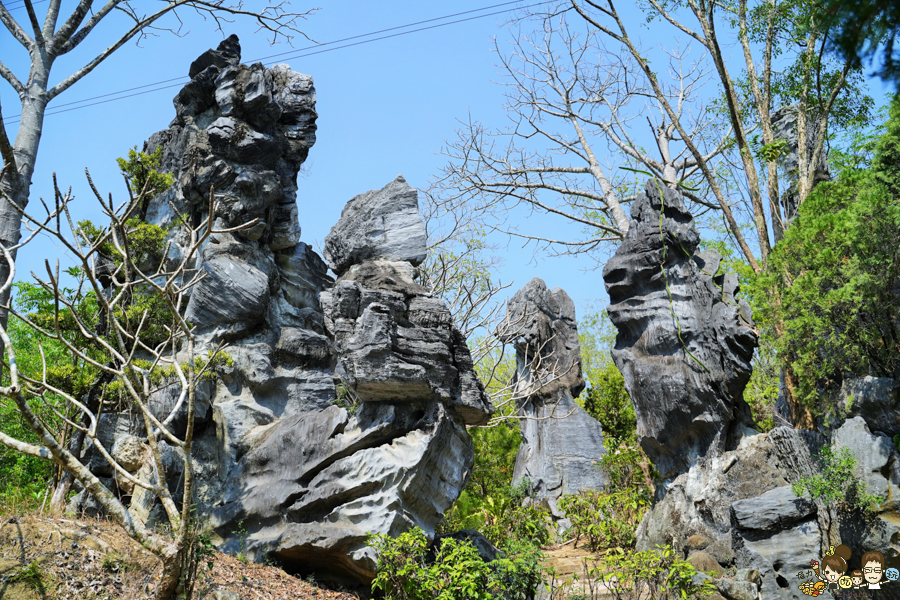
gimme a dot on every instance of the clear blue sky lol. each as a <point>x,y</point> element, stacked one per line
<point>384,108</point>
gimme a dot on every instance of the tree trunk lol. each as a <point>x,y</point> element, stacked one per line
<point>171,574</point>
<point>802,416</point>
<point>76,442</point>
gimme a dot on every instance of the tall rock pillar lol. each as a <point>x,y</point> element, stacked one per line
<point>561,443</point>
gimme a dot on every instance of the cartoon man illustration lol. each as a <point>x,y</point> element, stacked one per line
<point>857,577</point>
<point>873,566</point>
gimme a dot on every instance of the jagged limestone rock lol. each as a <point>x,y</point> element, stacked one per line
<point>381,223</point>
<point>280,471</point>
<point>561,442</point>
<point>400,460</point>
<point>684,352</point>
<point>684,342</point>
<point>875,399</point>
<point>784,129</point>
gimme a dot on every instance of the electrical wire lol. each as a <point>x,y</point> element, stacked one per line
<point>22,5</point>
<point>303,53</point>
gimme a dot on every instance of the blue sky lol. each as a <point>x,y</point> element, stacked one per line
<point>384,107</point>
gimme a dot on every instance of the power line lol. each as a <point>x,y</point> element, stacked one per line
<point>10,9</point>
<point>55,110</point>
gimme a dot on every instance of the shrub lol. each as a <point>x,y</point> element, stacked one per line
<point>609,519</point>
<point>608,402</point>
<point>457,572</point>
<point>503,517</point>
<point>834,276</point>
<point>837,484</point>
<point>507,517</point>
<point>649,575</point>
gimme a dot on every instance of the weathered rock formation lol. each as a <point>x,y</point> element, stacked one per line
<point>684,346</point>
<point>684,342</point>
<point>784,126</point>
<point>285,470</point>
<point>561,443</point>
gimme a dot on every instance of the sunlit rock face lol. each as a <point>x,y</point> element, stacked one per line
<point>342,408</point>
<point>684,342</point>
<point>684,346</point>
<point>561,442</point>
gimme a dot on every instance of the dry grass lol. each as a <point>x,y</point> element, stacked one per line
<point>87,559</point>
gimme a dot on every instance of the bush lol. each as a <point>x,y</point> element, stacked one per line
<point>836,484</point>
<point>608,402</point>
<point>503,517</point>
<point>650,575</point>
<point>609,519</point>
<point>457,573</point>
<point>834,276</point>
<point>490,503</point>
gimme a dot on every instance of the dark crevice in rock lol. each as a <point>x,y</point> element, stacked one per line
<point>371,439</point>
<point>323,506</point>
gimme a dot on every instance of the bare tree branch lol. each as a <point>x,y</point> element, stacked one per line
<point>13,27</point>
<point>8,75</point>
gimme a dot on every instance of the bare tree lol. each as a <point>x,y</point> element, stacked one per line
<point>55,37</point>
<point>765,31</point>
<point>572,101</point>
<point>573,92</point>
<point>113,342</point>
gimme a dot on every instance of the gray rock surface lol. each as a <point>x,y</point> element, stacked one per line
<point>684,341</point>
<point>282,471</point>
<point>784,126</point>
<point>382,224</point>
<point>776,509</point>
<point>561,442</point>
<point>737,590</point>
<point>875,399</point>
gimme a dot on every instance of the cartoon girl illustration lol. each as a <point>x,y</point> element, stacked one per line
<point>873,567</point>
<point>857,577</point>
<point>834,565</point>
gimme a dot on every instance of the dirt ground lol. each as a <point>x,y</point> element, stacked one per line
<point>85,559</point>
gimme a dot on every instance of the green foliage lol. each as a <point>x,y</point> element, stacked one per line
<point>837,485</point>
<point>761,391</point>
<point>605,398</point>
<point>140,170</point>
<point>835,273</point>
<point>861,31</point>
<point>346,398</point>
<point>457,572</point>
<point>146,242</point>
<point>774,151</point>
<point>609,519</point>
<point>608,402</point>
<point>503,516</point>
<point>650,575</point>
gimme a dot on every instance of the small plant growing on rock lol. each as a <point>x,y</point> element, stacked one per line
<point>649,575</point>
<point>837,484</point>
